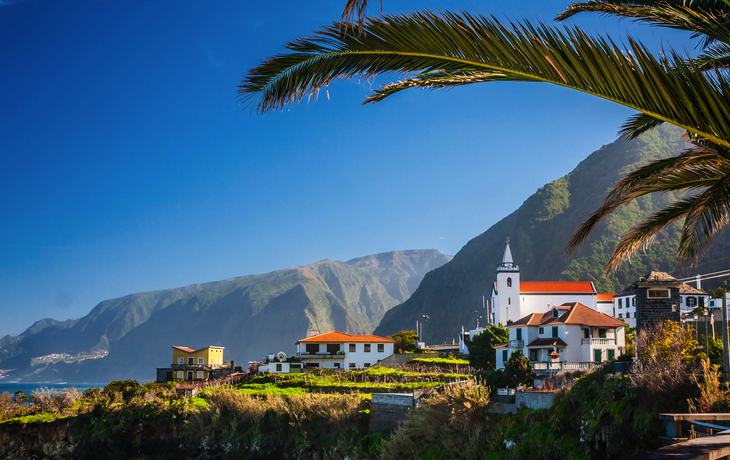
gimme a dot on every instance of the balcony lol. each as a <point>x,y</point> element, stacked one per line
<point>321,355</point>
<point>202,367</point>
<point>516,343</point>
<point>549,367</point>
<point>598,342</point>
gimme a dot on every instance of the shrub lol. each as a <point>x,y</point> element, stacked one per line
<point>450,424</point>
<point>9,408</point>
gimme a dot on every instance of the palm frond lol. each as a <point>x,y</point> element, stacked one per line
<point>436,80</point>
<point>695,169</point>
<point>667,88</point>
<point>644,234</point>
<point>715,56</point>
<point>637,125</point>
<point>708,20</point>
<point>707,216</point>
<point>355,10</point>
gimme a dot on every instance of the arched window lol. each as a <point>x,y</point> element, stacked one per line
<point>509,282</point>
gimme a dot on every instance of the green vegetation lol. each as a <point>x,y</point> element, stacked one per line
<point>482,354</point>
<point>405,341</point>
<point>518,370</point>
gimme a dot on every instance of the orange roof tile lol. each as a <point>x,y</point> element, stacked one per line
<point>185,349</point>
<point>571,287</point>
<point>577,314</point>
<point>605,297</point>
<point>334,336</point>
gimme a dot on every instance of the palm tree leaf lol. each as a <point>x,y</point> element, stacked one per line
<point>355,10</point>
<point>667,88</point>
<point>708,20</point>
<point>637,125</point>
<point>715,56</point>
<point>694,170</point>
<point>707,216</point>
<point>644,234</point>
<point>437,79</point>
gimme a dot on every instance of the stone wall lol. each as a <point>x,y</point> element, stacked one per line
<point>651,311</point>
<point>534,399</point>
<point>387,410</point>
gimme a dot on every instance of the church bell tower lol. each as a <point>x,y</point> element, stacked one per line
<point>508,289</point>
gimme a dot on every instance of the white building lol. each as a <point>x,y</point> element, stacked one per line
<point>512,299</point>
<point>338,350</point>
<point>624,303</point>
<point>571,333</point>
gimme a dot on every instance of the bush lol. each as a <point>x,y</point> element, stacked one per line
<point>451,424</point>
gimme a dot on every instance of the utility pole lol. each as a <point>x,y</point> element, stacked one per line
<point>423,324</point>
<point>725,350</point>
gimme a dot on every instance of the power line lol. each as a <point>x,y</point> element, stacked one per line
<point>705,276</point>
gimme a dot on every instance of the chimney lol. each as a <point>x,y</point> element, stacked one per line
<point>313,332</point>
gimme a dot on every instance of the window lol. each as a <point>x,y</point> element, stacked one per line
<point>620,315</point>
<point>505,357</point>
<point>658,293</point>
<point>509,300</point>
<point>191,360</point>
<point>278,367</point>
<point>352,365</point>
<point>367,348</point>
<point>337,365</point>
<point>211,360</point>
<point>201,360</point>
<point>533,355</point>
<point>628,315</point>
<point>381,348</point>
<point>180,373</point>
<point>555,331</point>
<point>353,348</point>
<point>312,348</point>
<point>541,331</point>
<point>200,374</point>
<point>602,333</point>
<point>367,364</point>
<point>597,356</point>
<point>509,282</point>
<point>691,301</point>
<point>586,333</point>
<point>633,301</point>
<point>333,348</point>
<point>555,313</point>
<point>181,360</point>
<point>620,304</point>
<point>518,331</point>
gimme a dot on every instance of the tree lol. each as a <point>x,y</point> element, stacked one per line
<point>405,341</point>
<point>518,369</point>
<point>482,354</point>
<point>667,342</point>
<point>451,49</point>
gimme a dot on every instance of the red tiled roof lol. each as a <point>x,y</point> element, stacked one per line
<point>334,336</point>
<point>605,297</point>
<point>577,314</point>
<point>568,287</point>
<point>501,345</point>
<point>685,288</point>
<point>547,342</point>
<point>185,349</point>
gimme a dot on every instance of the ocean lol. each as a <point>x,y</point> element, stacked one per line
<point>29,388</point>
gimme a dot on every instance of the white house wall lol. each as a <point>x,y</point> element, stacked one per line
<point>358,358</point>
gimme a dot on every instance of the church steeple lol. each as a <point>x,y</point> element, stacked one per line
<point>507,263</point>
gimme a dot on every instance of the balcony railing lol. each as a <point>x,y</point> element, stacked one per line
<point>203,367</point>
<point>321,355</point>
<point>516,343</point>
<point>598,342</point>
<point>564,366</point>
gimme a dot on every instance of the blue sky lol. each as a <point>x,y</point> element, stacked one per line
<point>128,164</point>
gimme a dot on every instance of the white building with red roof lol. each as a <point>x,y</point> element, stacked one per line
<point>568,336</point>
<point>338,350</point>
<point>512,299</point>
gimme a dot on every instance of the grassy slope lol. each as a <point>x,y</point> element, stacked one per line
<point>539,230</point>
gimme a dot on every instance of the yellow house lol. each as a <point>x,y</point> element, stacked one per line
<point>189,364</point>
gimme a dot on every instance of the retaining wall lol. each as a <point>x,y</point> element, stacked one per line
<point>387,410</point>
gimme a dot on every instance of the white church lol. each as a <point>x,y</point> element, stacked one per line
<point>513,299</point>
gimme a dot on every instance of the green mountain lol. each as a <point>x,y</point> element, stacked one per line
<point>539,230</point>
<point>250,316</point>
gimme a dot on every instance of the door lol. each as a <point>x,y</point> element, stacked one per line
<point>597,356</point>
<point>190,375</point>
<point>610,354</point>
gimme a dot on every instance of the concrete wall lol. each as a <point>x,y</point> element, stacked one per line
<point>534,399</point>
<point>387,410</point>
